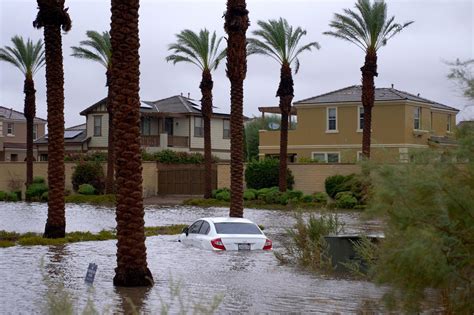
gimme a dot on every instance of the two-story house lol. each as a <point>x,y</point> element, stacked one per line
<point>174,123</point>
<point>13,134</point>
<point>330,127</point>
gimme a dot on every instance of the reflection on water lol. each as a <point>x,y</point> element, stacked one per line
<point>250,282</point>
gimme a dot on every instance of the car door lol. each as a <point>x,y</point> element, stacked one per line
<point>193,231</point>
<point>202,239</point>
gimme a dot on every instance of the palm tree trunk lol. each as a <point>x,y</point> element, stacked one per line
<point>109,185</point>
<point>236,24</point>
<point>132,268</point>
<point>285,92</point>
<point>206,90</point>
<point>30,113</point>
<point>56,222</point>
<point>369,71</point>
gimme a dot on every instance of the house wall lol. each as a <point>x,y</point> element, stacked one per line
<point>181,127</point>
<point>98,142</point>
<point>19,136</point>
<point>220,146</point>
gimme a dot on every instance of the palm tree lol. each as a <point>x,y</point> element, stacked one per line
<point>53,16</point>
<point>236,24</point>
<point>97,48</point>
<point>132,268</point>
<point>369,29</point>
<point>203,52</point>
<point>28,58</point>
<point>278,40</point>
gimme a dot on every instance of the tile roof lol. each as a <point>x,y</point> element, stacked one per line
<point>10,113</point>
<point>354,93</point>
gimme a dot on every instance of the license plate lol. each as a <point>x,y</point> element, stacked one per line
<point>244,246</point>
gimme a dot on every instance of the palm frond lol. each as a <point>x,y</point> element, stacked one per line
<point>96,48</point>
<point>27,57</point>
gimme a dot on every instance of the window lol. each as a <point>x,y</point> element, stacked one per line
<point>145,126</point>
<point>205,227</point>
<point>43,157</point>
<point>448,125</point>
<point>360,121</point>
<point>198,127</point>
<point>417,118</point>
<point>35,132</point>
<point>10,129</point>
<point>332,119</point>
<point>14,157</point>
<point>194,229</point>
<point>226,133</point>
<point>97,126</point>
<point>237,228</point>
<point>326,157</point>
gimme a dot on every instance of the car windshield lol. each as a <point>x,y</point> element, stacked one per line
<point>237,228</point>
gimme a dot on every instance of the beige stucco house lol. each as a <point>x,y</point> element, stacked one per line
<point>173,123</point>
<point>330,127</point>
<point>13,134</point>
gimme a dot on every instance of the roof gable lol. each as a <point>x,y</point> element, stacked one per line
<point>10,113</point>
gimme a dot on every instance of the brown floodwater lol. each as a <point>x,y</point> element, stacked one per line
<point>249,282</point>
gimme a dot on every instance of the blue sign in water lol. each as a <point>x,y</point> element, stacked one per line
<point>90,275</point>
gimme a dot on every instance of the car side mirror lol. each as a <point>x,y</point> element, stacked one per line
<point>186,230</point>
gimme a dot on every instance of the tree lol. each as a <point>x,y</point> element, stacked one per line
<point>236,24</point>
<point>202,51</point>
<point>97,48</point>
<point>278,40</point>
<point>28,58</point>
<point>462,73</point>
<point>52,16</point>
<point>132,269</point>
<point>369,29</point>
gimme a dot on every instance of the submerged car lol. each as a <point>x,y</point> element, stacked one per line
<point>225,234</point>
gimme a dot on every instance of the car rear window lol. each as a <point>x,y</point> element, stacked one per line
<point>237,228</point>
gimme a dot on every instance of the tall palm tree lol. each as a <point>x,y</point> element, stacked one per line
<point>132,268</point>
<point>202,51</point>
<point>97,48</point>
<point>28,58</point>
<point>236,24</point>
<point>278,40</point>
<point>53,16</point>
<point>369,29</point>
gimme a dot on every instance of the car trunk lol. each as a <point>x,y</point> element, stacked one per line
<point>243,241</point>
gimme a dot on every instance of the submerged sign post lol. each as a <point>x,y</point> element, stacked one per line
<point>90,275</point>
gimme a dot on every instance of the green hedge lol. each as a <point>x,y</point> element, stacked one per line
<point>264,174</point>
<point>90,173</point>
<point>173,157</point>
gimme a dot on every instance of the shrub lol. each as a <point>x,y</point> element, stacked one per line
<point>345,200</point>
<point>11,196</point>
<point>264,173</point>
<point>262,192</point>
<point>307,198</point>
<point>223,195</point>
<point>173,157</point>
<point>2,195</point>
<point>44,196</point>
<point>216,191</point>
<point>295,194</point>
<point>335,184</point>
<point>90,173</point>
<point>272,196</point>
<point>38,180</point>
<point>35,191</point>
<point>320,197</point>
<point>249,195</point>
<point>86,189</point>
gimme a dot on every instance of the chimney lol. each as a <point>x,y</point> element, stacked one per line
<point>181,93</point>
<point>392,85</point>
<point>189,95</point>
<point>418,94</point>
<point>11,112</point>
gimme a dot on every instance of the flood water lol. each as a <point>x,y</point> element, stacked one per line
<point>249,282</point>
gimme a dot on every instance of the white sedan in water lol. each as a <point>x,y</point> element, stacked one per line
<point>225,234</point>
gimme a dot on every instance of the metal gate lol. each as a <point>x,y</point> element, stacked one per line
<point>186,180</point>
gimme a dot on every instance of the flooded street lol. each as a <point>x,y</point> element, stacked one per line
<point>249,282</point>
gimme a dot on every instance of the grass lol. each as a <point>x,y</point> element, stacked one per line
<point>8,239</point>
<point>253,204</point>
<point>92,199</point>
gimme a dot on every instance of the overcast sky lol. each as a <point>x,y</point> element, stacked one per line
<point>413,60</point>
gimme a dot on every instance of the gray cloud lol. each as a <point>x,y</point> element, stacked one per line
<point>412,61</point>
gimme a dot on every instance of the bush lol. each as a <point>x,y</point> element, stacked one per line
<point>36,190</point>
<point>320,197</point>
<point>264,173</point>
<point>295,194</point>
<point>249,195</point>
<point>38,180</point>
<point>335,184</point>
<point>216,191</point>
<point>345,200</point>
<point>173,157</point>
<point>307,198</point>
<point>11,196</point>
<point>86,189</point>
<point>90,173</point>
<point>223,195</point>
<point>2,195</point>
<point>44,196</point>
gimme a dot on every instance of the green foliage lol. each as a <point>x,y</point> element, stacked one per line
<point>335,184</point>
<point>345,200</point>
<point>2,195</point>
<point>92,199</point>
<point>249,195</point>
<point>320,197</point>
<point>87,157</point>
<point>216,191</point>
<point>173,157</point>
<point>223,195</point>
<point>36,190</point>
<point>44,197</point>
<point>306,246</point>
<point>90,173</point>
<point>86,189</point>
<point>38,180</point>
<point>27,57</point>
<point>358,185</point>
<point>11,196</point>
<point>264,173</point>
<point>462,73</point>
<point>164,230</point>
<point>96,48</point>
<point>428,209</point>
<point>307,198</point>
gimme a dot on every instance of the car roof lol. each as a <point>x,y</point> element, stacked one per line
<point>227,220</point>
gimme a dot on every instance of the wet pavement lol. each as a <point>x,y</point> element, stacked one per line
<point>250,282</point>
